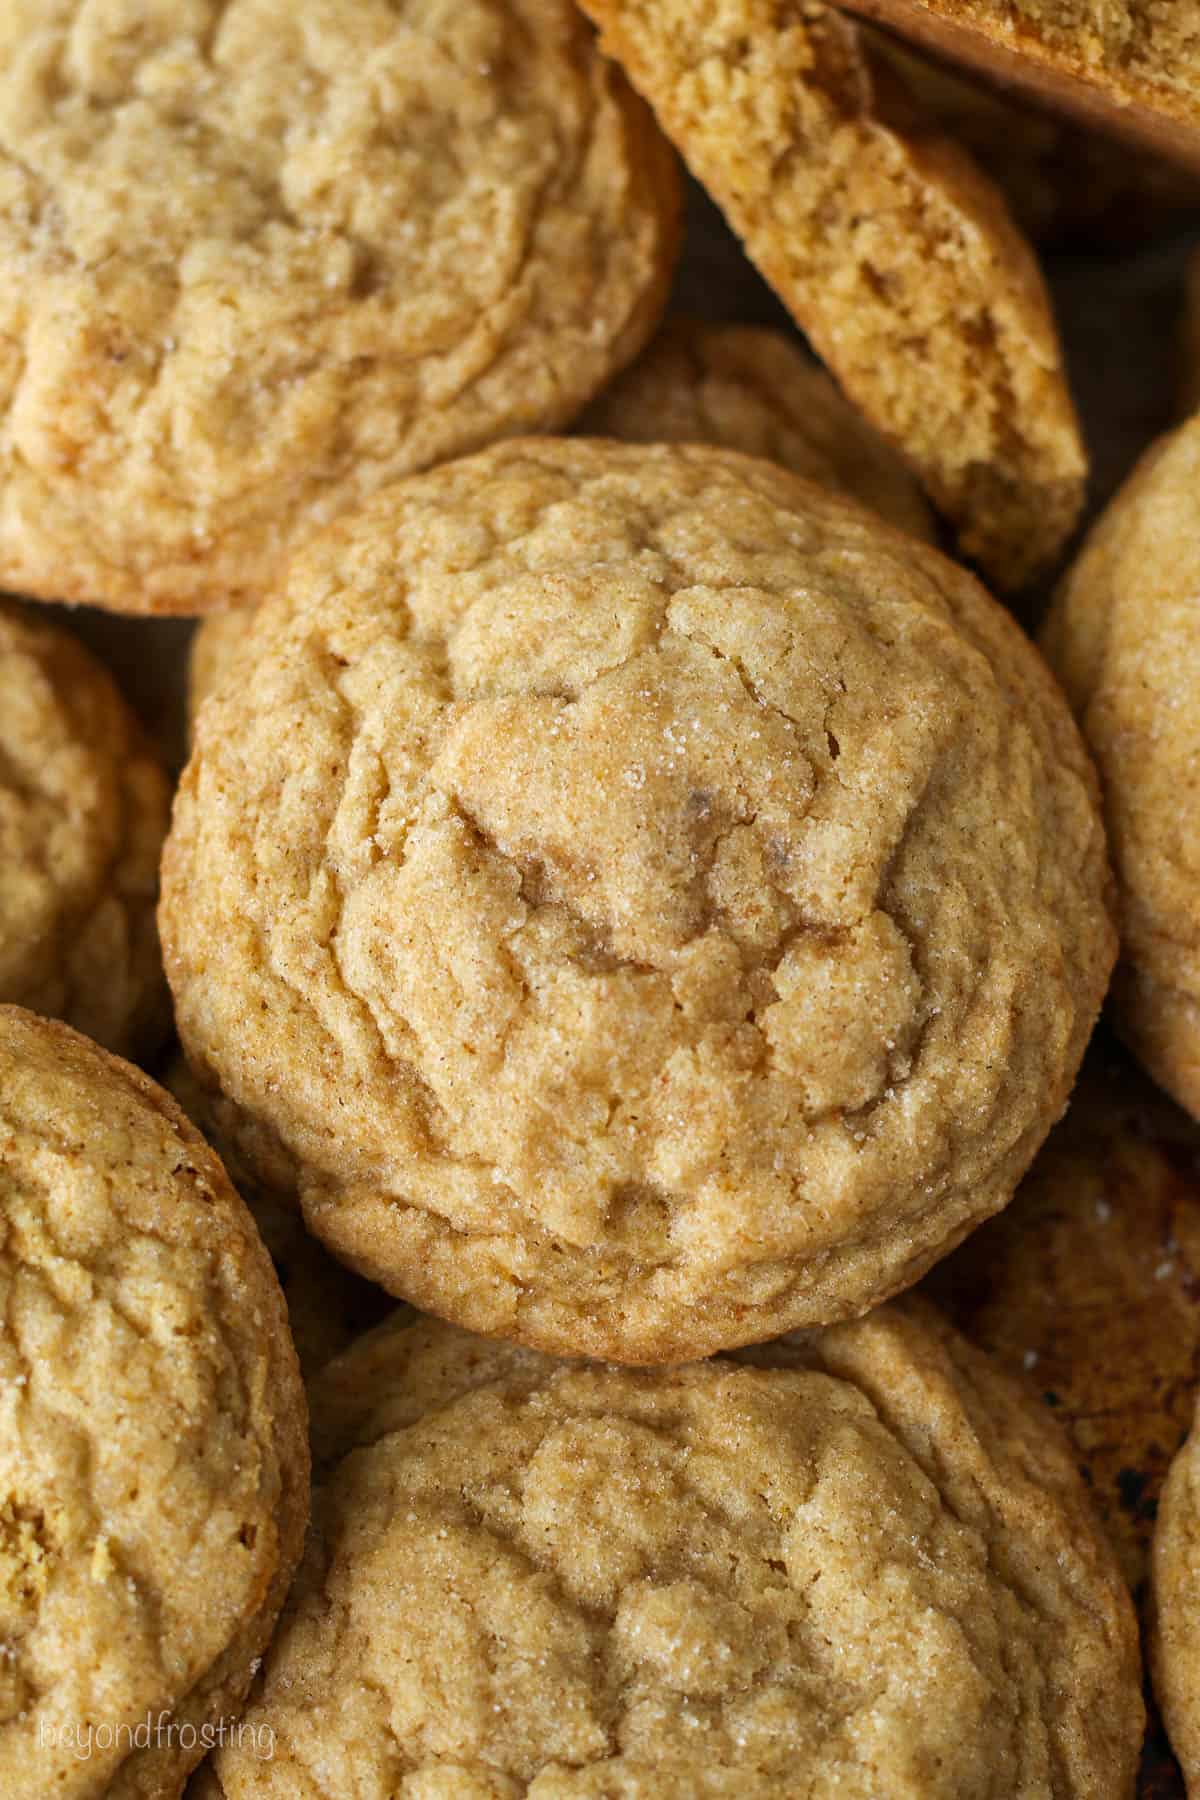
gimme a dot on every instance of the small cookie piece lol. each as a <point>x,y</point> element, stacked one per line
<point>1067,185</point>
<point>328,1307</point>
<point>153,1453</point>
<point>894,253</point>
<point>1131,67</point>
<point>1175,1638</point>
<point>749,388</point>
<point>654,904</point>
<point>83,813</point>
<point>259,259</point>
<point>867,1555</point>
<point>1122,638</point>
<point>1089,1283</point>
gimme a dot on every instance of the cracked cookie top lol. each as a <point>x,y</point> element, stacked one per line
<point>862,1566</point>
<point>259,259</point>
<point>650,903</point>
<point>83,813</point>
<point>153,1451</point>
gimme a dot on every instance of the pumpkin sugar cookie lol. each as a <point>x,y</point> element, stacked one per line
<point>83,813</point>
<point>259,259</point>
<point>749,388</point>
<point>1089,1284</point>
<point>867,1554</point>
<point>653,903</point>
<point>154,1469</point>
<point>1175,1639</point>
<point>894,253</point>
<point>1122,638</point>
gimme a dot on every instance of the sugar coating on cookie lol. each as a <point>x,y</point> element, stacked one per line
<point>749,388</point>
<point>653,904</point>
<point>866,1558</point>
<point>1088,1285</point>
<point>1175,1637</point>
<point>260,258</point>
<point>1122,639</point>
<point>153,1451</point>
<point>894,253</point>
<point>83,813</point>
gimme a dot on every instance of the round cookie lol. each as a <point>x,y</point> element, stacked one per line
<point>1175,1640</point>
<point>259,259</point>
<point>1122,638</point>
<point>749,388</point>
<point>83,812</point>
<point>653,904</point>
<point>866,1556</point>
<point>328,1306</point>
<point>153,1454</point>
<point>1089,1283</point>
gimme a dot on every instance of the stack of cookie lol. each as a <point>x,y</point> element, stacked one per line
<point>635,907</point>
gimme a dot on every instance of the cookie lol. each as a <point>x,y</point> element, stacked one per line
<point>154,1469</point>
<point>261,259</point>
<point>83,813</point>
<point>1089,1284</point>
<point>1132,68</point>
<point>328,1307</point>
<point>654,904</point>
<point>894,253</point>
<point>1175,1643</point>
<point>866,1555</point>
<point>1121,637</point>
<point>1066,185</point>
<point>749,388</point>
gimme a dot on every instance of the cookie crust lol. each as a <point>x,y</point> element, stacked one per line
<point>83,814</point>
<point>865,1554</point>
<point>154,1458</point>
<point>623,963</point>
<point>259,260</point>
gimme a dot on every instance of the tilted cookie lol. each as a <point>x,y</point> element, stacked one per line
<point>1175,1643</point>
<point>749,388</point>
<point>258,259</point>
<point>1089,1283</point>
<point>653,903</point>
<point>866,1556</point>
<point>328,1306</point>
<point>895,254</point>
<point>1122,638</point>
<point>1066,184</point>
<point>153,1450</point>
<point>83,813</point>
<point>1132,67</point>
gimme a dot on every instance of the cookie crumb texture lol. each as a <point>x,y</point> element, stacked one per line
<point>1122,639</point>
<point>1175,1643</point>
<point>895,254</point>
<point>153,1451</point>
<point>653,904</point>
<point>83,814</point>
<point>868,1571</point>
<point>260,258</point>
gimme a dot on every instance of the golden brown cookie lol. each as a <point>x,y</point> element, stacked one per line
<point>328,1306</point>
<point>895,254</point>
<point>1122,638</point>
<point>654,903</point>
<point>749,388</point>
<point>867,1556</point>
<point>1131,67</point>
<point>83,813</point>
<point>1067,185</point>
<point>1089,1283</point>
<point>154,1453</point>
<point>1175,1642</point>
<point>259,259</point>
